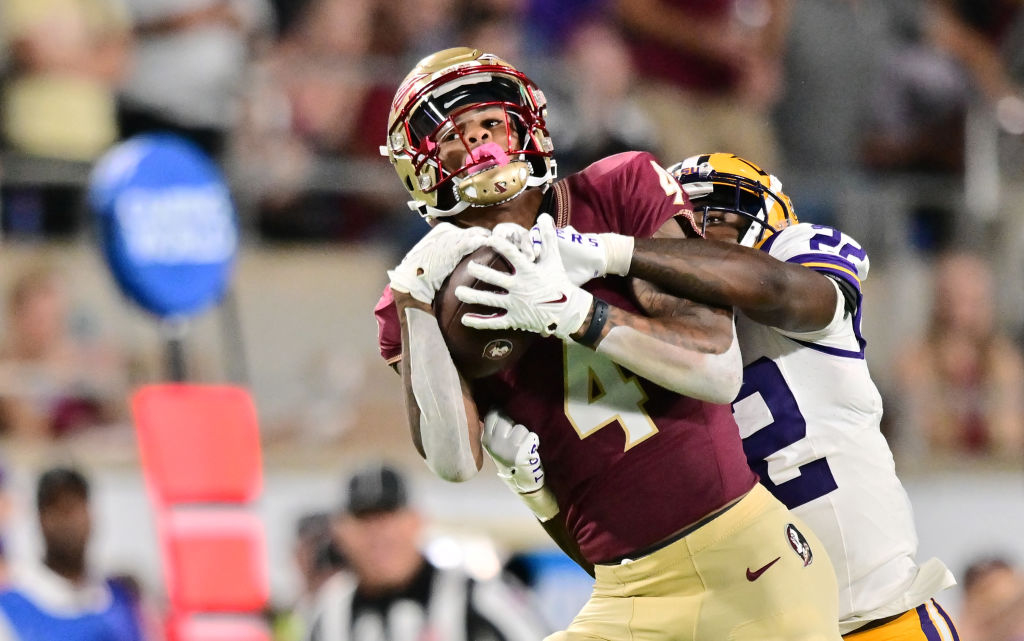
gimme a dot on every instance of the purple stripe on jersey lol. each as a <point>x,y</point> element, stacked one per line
<point>927,626</point>
<point>831,259</point>
<point>856,323</point>
<point>766,246</point>
<point>949,621</point>
<point>840,262</point>
<point>834,351</point>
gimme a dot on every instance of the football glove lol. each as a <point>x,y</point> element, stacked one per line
<point>433,258</point>
<point>521,237</point>
<point>515,451</point>
<point>539,297</point>
<point>588,256</point>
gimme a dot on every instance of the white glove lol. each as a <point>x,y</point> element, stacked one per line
<point>515,452</point>
<point>433,258</point>
<point>588,256</point>
<point>519,236</point>
<point>540,297</point>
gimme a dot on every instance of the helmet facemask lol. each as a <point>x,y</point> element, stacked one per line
<point>767,210</point>
<point>490,174</point>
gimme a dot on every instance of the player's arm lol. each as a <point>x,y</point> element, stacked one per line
<point>688,348</point>
<point>442,416</point>
<point>515,451</point>
<point>677,331</point>
<point>769,291</point>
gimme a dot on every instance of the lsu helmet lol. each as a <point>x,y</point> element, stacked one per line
<point>438,89</point>
<point>727,183</point>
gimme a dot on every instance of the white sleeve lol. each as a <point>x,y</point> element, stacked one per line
<point>715,378</point>
<point>438,391</point>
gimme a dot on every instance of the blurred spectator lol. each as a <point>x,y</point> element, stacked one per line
<point>709,72</point>
<point>950,56</point>
<point>61,598</point>
<point>66,59</point>
<point>53,381</point>
<point>393,592</point>
<point>191,65</point>
<point>832,50</point>
<point>993,605</point>
<point>960,388</point>
<point>919,101</point>
<point>317,558</point>
<point>313,122</point>
<point>600,115</point>
<point>497,26</point>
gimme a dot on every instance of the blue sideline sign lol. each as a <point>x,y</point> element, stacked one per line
<point>167,224</point>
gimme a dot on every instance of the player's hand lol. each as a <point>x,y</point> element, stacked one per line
<point>587,256</point>
<point>519,236</point>
<point>539,297</point>
<point>515,451</point>
<point>433,258</point>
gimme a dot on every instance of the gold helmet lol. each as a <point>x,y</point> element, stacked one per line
<point>442,86</point>
<point>728,183</point>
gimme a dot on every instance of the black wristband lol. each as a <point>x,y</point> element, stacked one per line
<point>597,323</point>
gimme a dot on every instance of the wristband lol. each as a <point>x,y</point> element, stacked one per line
<point>619,252</point>
<point>597,323</point>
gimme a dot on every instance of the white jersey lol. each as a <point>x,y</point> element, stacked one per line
<point>809,415</point>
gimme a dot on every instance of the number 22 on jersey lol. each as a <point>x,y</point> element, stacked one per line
<point>775,437</point>
<point>598,393</point>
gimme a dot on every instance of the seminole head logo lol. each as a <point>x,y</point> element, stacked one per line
<point>799,544</point>
<point>497,349</point>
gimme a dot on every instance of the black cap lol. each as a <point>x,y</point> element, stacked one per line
<point>377,488</point>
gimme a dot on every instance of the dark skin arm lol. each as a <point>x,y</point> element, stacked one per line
<point>555,527</point>
<point>766,290</point>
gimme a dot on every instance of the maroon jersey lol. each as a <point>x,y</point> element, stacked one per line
<point>630,462</point>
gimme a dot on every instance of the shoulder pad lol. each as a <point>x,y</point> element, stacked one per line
<point>820,247</point>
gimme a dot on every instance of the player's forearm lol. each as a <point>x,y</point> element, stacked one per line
<point>697,359</point>
<point>766,290</point>
<point>442,417</point>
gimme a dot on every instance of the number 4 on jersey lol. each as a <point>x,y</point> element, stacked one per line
<point>598,393</point>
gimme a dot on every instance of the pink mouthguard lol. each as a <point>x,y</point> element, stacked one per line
<point>489,151</point>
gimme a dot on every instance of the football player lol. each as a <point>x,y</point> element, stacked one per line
<point>648,475</point>
<point>808,410</point>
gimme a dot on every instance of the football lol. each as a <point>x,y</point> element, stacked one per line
<point>476,352</point>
